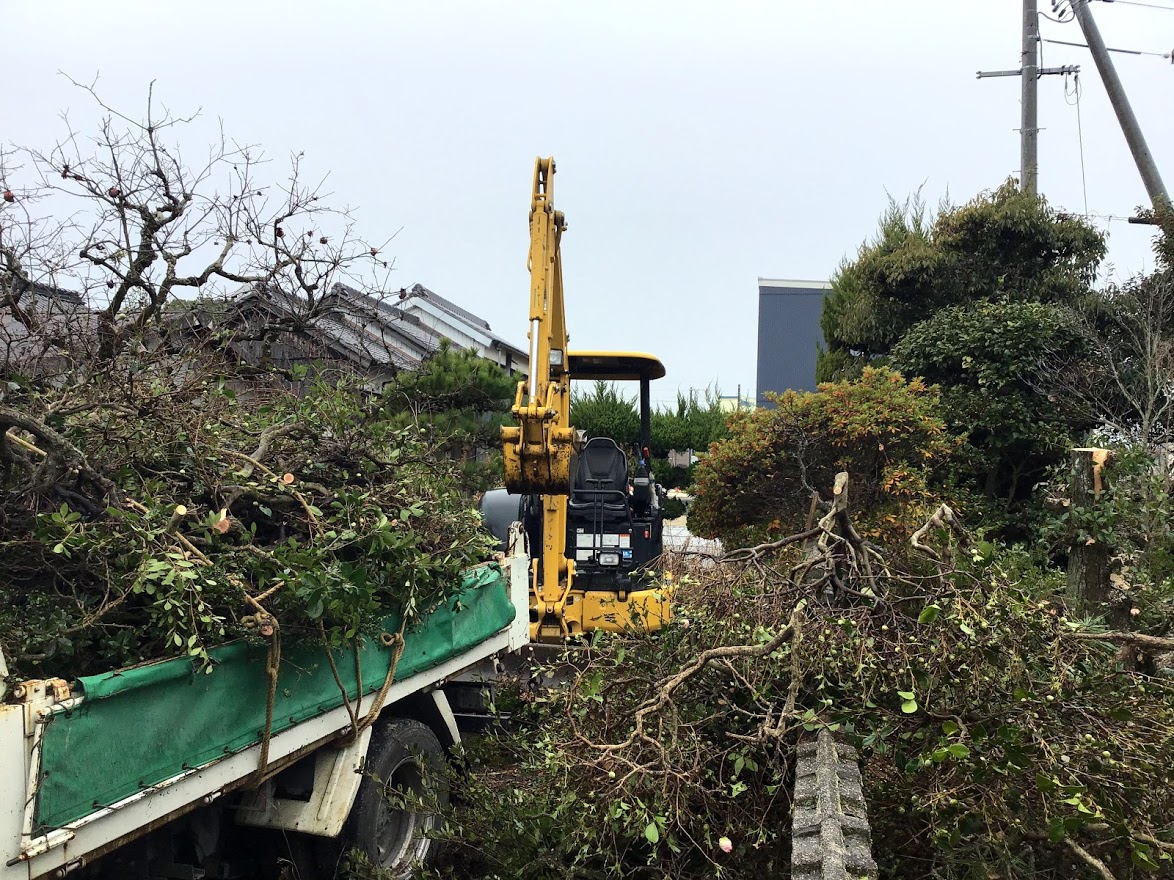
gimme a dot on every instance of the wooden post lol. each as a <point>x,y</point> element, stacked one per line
<point>1088,558</point>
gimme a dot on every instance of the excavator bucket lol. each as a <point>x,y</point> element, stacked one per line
<point>542,467</point>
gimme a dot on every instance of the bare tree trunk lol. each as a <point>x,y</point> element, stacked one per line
<point>1088,558</point>
<point>818,556</point>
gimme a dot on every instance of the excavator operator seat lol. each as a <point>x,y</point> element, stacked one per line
<point>600,488</point>
<point>599,516</point>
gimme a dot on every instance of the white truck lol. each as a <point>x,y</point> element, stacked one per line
<point>164,771</point>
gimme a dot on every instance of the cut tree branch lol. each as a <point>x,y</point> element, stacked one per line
<point>1154,643</point>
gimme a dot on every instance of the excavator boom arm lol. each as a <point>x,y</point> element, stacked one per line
<point>539,452</point>
<point>548,326</point>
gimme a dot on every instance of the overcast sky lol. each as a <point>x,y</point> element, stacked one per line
<point>699,145</point>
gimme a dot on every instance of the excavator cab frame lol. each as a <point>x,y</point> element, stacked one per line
<point>615,517</point>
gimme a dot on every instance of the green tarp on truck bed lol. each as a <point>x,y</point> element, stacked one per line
<point>140,726</point>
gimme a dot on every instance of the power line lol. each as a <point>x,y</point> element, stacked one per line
<point>1165,55</point>
<point>1076,90</point>
<point>1136,3</point>
<point>1108,218</point>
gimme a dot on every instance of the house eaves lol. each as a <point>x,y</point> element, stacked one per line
<point>446,320</point>
<point>419,291</point>
<point>458,319</point>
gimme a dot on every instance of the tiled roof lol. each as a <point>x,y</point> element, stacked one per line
<point>366,329</point>
<point>352,323</point>
<point>419,291</point>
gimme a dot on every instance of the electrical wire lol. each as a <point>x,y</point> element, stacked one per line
<point>1136,3</point>
<point>1165,55</point>
<point>1076,91</point>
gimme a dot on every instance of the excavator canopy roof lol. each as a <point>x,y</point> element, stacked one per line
<point>622,366</point>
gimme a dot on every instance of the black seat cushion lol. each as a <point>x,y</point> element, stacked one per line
<point>602,472</point>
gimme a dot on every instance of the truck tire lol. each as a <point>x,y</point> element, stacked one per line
<point>405,758</point>
<point>830,838</point>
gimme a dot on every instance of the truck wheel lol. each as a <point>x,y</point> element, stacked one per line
<point>399,799</point>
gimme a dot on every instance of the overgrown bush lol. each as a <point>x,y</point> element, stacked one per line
<point>885,431</point>
<point>988,359</point>
<point>1003,245</point>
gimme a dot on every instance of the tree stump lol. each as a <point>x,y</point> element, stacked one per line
<point>1088,558</point>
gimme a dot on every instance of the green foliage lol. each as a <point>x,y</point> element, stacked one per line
<point>324,502</point>
<point>1019,733</point>
<point>989,359</point>
<point>357,866</point>
<point>874,298</point>
<point>671,476</point>
<point>458,401</point>
<point>673,508</point>
<point>694,423</point>
<point>607,412</point>
<point>1002,245</point>
<point>989,733</point>
<point>886,432</point>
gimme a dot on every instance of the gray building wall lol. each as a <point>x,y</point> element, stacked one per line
<point>789,335</point>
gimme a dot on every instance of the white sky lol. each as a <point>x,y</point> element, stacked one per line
<point>699,145</point>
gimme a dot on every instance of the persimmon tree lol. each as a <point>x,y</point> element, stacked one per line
<point>134,216</point>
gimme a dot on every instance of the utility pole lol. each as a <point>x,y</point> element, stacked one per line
<point>1030,72</point>
<point>1129,126</point>
<point>1029,76</point>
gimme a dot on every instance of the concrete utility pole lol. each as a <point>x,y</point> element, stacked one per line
<point>1030,72</point>
<point>1029,75</point>
<point>1129,126</point>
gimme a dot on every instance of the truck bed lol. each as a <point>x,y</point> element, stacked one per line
<point>137,747</point>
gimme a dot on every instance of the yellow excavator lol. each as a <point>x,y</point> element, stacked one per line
<point>592,511</point>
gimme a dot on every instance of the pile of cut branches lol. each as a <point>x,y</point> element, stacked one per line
<point>999,736</point>
<point>159,508</point>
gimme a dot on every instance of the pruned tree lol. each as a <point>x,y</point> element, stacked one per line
<point>1003,245</point>
<point>145,225</point>
<point>1125,382</point>
<point>156,496</point>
